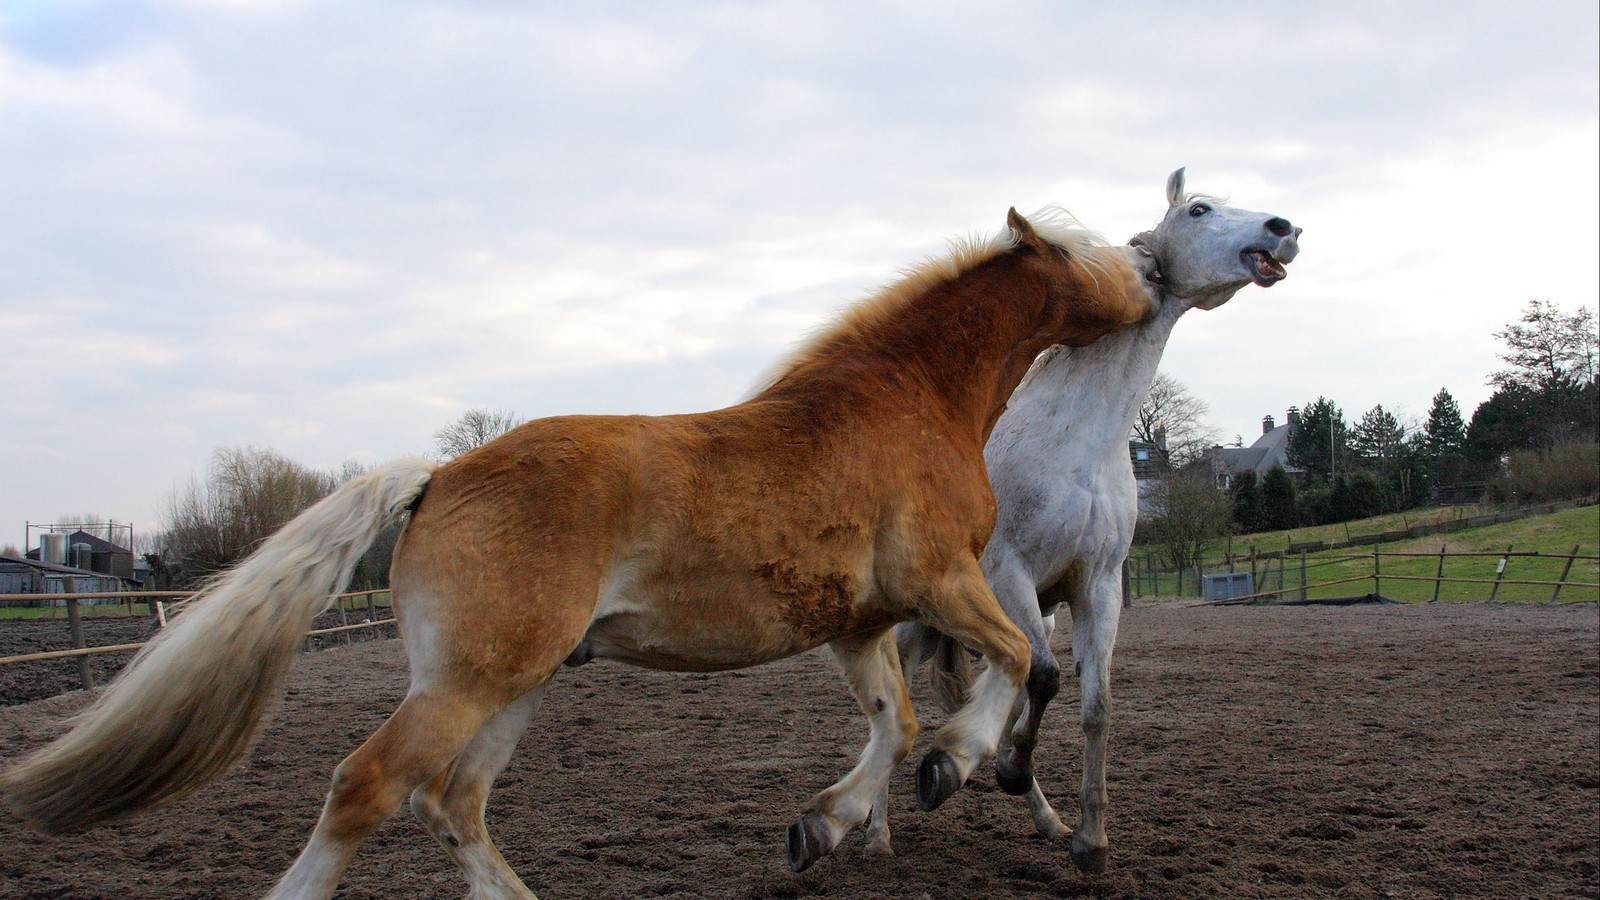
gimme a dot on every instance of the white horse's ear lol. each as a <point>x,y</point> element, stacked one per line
<point>1175,188</point>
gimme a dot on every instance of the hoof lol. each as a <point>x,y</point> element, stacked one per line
<point>1089,860</point>
<point>1014,773</point>
<point>876,848</point>
<point>937,779</point>
<point>808,842</point>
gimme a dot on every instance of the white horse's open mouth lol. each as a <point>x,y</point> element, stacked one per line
<point>1264,267</point>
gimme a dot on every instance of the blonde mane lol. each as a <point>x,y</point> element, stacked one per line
<point>1053,223</point>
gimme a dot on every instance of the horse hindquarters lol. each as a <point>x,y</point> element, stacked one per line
<point>482,643</point>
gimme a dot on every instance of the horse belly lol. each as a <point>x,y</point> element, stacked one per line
<point>695,626</point>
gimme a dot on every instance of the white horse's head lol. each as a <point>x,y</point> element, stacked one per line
<point>1207,250</point>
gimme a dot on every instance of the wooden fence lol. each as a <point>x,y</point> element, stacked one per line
<point>1410,575</point>
<point>156,602</point>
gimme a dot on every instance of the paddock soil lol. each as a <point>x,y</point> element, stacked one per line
<point>1412,751</point>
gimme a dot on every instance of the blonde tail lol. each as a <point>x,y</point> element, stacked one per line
<point>191,704</point>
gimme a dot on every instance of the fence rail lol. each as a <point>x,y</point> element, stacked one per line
<point>1278,576</point>
<point>154,599</point>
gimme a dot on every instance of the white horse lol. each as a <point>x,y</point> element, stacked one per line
<point>1058,463</point>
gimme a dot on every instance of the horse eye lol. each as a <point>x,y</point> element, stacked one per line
<point>1198,210</point>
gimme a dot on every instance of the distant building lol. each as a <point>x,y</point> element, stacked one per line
<point>30,576</point>
<point>1270,449</point>
<point>86,552</point>
<point>1150,460</point>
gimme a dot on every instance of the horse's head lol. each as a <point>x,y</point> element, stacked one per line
<point>1208,250</point>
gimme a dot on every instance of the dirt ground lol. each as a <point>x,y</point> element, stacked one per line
<point>1396,751</point>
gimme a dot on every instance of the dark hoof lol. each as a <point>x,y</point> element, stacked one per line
<point>808,842</point>
<point>937,779</point>
<point>1014,773</point>
<point>1089,860</point>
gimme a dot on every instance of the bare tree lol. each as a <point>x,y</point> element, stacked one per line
<point>109,530</point>
<point>1548,349</point>
<point>11,551</point>
<point>1187,513</point>
<point>475,428</point>
<point>248,494</point>
<point>1170,416</point>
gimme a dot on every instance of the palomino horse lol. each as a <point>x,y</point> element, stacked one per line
<point>846,496</point>
<point>1064,485</point>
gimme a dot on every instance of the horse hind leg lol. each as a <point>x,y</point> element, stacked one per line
<point>1094,635</point>
<point>451,804</point>
<point>967,611</point>
<point>424,734</point>
<point>872,667</point>
<point>914,643</point>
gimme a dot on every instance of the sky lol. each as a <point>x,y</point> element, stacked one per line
<point>330,229</point>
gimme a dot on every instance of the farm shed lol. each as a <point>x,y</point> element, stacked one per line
<point>86,551</point>
<point>28,576</point>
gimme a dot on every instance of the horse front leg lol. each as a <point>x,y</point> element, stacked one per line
<point>1094,635</point>
<point>872,667</point>
<point>966,610</point>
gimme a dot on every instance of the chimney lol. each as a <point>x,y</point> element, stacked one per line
<point>1294,417</point>
<point>1267,424</point>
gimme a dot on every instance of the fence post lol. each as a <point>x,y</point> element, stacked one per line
<point>343,621</point>
<point>1127,596</point>
<point>1254,585</point>
<point>1377,588</point>
<point>1303,581</point>
<point>75,625</point>
<point>1439,575</point>
<point>1564,570</point>
<point>1499,573</point>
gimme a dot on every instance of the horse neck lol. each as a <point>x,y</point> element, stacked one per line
<point>1092,394</point>
<point>961,347</point>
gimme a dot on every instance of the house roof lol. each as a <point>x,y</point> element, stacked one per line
<point>1271,449</point>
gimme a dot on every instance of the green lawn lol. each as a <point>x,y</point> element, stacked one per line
<point>1552,535</point>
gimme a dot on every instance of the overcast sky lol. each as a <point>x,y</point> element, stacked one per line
<point>331,228</point>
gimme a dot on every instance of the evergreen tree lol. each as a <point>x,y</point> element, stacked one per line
<point>1377,438</point>
<point>1445,431</point>
<point>1246,497</point>
<point>1319,445</point>
<point>1277,508</point>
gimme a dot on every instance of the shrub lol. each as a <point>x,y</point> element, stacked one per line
<point>1567,471</point>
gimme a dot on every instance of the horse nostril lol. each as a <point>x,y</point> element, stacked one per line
<point>1279,227</point>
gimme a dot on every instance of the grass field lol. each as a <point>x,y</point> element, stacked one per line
<point>1552,536</point>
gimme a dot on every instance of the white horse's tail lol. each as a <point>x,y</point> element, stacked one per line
<point>951,677</point>
<point>191,704</point>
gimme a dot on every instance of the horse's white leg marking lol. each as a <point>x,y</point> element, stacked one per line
<point>1024,724</point>
<point>1094,635</point>
<point>912,646</point>
<point>872,667</point>
<point>419,740</point>
<point>451,804</point>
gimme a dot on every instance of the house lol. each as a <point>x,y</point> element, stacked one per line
<point>1270,449</point>
<point>1150,461</point>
